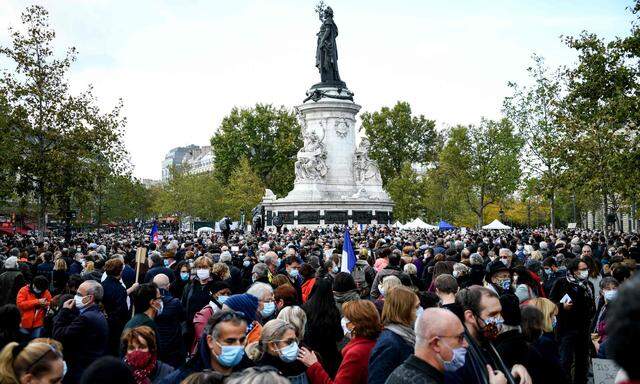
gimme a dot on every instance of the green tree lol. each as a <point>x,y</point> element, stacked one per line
<point>125,199</point>
<point>268,137</point>
<point>58,141</point>
<point>481,162</point>
<point>405,190</point>
<point>245,190</point>
<point>398,137</point>
<point>533,110</point>
<point>599,116</point>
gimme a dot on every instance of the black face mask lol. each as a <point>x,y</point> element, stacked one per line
<point>488,332</point>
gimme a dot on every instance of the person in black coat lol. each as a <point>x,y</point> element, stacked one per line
<point>156,265</point>
<point>82,329</point>
<point>574,296</point>
<point>115,303</point>
<point>235,281</point>
<point>171,348</point>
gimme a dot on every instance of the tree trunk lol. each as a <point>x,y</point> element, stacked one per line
<point>42,211</point>
<point>552,203</point>
<point>481,209</point>
<point>529,214</point>
<point>605,211</point>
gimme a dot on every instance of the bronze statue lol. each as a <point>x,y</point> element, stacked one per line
<point>327,51</point>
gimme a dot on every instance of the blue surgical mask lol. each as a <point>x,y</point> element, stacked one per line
<point>246,263</point>
<point>554,322</point>
<point>166,262</point>
<point>335,269</point>
<point>184,276</point>
<point>278,261</point>
<point>289,353</point>
<point>222,299</point>
<point>230,355</point>
<point>64,368</point>
<point>459,355</point>
<point>548,272</point>
<point>294,272</point>
<point>610,294</point>
<point>268,309</point>
<point>505,284</point>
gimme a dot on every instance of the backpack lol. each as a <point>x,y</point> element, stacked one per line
<point>359,274</point>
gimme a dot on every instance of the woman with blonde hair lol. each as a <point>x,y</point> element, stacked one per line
<point>278,347</point>
<point>59,276</point>
<point>295,316</point>
<point>396,342</point>
<point>197,293</point>
<point>388,283</point>
<point>220,271</point>
<point>547,344</point>
<point>36,361</point>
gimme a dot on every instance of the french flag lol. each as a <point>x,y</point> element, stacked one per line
<point>154,233</point>
<point>348,256</point>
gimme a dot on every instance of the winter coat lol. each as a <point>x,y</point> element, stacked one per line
<point>388,271</point>
<point>84,336</point>
<point>11,280</point>
<point>171,347</point>
<point>31,311</point>
<point>415,371</point>
<point>343,297</point>
<point>115,305</point>
<point>389,352</point>
<point>306,288</point>
<point>354,366</point>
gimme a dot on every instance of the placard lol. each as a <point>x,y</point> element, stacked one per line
<point>141,255</point>
<point>604,371</point>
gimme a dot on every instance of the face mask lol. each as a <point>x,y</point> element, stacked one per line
<point>456,274</point>
<point>203,274</point>
<point>505,284</point>
<point>492,327</point>
<point>230,355</point>
<point>254,278</point>
<point>583,275</point>
<point>554,322</point>
<point>335,269</point>
<point>278,261</point>
<point>37,291</point>
<point>160,309</point>
<point>246,263</point>
<point>294,272</point>
<point>548,272</point>
<point>261,258</point>
<point>289,354</point>
<point>222,299</point>
<point>419,312</point>
<point>345,329</point>
<point>610,295</point>
<point>457,361</point>
<point>78,301</point>
<point>64,368</point>
<point>268,309</point>
<point>506,261</point>
<point>381,289</point>
<point>184,276</point>
<point>165,262</point>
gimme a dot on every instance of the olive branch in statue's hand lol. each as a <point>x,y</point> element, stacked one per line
<point>320,7</point>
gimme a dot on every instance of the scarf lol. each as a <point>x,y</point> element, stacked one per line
<point>581,283</point>
<point>141,364</point>
<point>406,333</point>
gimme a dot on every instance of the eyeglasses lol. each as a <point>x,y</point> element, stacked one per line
<point>459,337</point>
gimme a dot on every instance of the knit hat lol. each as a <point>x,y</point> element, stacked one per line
<point>218,286</point>
<point>11,263</point>
<point>245,303</point>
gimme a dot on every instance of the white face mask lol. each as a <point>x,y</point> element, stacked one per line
<point>203,274</point>
<point>381,289</point>
<point>584,275</point>
<point>343,322</point>
<point>78,301</point>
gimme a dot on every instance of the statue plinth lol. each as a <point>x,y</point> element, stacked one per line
<point>332,174</point>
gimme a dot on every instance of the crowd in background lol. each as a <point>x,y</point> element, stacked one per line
<point>527,306</point>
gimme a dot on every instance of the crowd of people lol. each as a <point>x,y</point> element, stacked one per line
<point>519,306</point>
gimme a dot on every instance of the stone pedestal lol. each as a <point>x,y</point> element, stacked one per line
<point>336,182</point>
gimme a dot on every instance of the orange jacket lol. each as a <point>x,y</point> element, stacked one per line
<point>30,308</point>
<point>306,288</point>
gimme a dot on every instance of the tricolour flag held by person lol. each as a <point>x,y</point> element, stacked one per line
<point>348,256</point>
<point>153,236</point>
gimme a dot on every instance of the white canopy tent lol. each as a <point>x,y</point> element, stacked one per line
<point>202,230</point>
<point>496,224</point>
<point>398,225</point>
<point>419,224</point>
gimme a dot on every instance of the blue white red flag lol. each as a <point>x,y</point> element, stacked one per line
<point>348,255</point>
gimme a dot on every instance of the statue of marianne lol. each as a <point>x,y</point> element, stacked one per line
<point>327,51</point>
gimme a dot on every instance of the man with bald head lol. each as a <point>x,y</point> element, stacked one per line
<point>171,348</point>
<point>439,338</point>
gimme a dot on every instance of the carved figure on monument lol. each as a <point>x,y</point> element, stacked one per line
<point>342,127</point>
<point>326,50</point>
<point>311,163</point>
<point>365,169</point>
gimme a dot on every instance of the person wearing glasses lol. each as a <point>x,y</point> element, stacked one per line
<point>34,362</point>
<point>439,342</point>
<point>147,304</point>
<point>82,328</point>
<point>221,349</point>
<point>278,347</point>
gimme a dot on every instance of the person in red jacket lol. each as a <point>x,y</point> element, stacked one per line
<point>33,301</point>
<point>361,323</point>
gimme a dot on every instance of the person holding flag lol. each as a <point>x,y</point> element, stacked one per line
<point>153,235</point>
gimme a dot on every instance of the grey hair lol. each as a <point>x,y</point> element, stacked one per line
<point>295,316</point>
<point>272,331</point>
<point>505,251</point>
<point>225,256</point>
<point>270,257</point>
<point>410,269</point>
<point>259,290</point>
<point>156,257</point>
<point>95,289</point>
<point>257,376</point>
<point>261,270</point>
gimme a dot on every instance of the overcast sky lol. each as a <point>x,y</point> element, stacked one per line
<point>180,66</point>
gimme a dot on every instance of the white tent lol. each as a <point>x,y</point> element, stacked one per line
<point>398,225</point>
<point>201,230</point>
<point>496,224</point>
<point>419,224</point>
